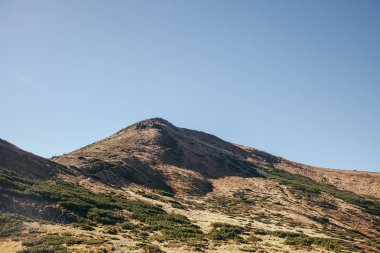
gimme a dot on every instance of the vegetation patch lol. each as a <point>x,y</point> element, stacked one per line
<point>49,240</point>
<point>129,226</point>
<point>177,204</point>
<point>243,197</point>
<point>10,224</point>
<point>302,240</point>
<point>104,216</point>
<point>149,248</point>
<point>149,195</point>
<point>54,243</point>
<point>90,208</point>
<point>164,193</point>
<point>327,243</point>
<point>326,205</point>
<point>307,185</point>
<point>225,231</point>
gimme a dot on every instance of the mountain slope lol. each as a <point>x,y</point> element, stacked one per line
<point>28,165</point>
<point>360,182</point>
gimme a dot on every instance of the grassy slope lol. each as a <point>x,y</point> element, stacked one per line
<point>147,222</point>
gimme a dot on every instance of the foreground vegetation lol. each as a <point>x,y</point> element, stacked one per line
<point>10,224</point>
<point>54,243</point>
<point>87,209</point>
<point>146,223</point>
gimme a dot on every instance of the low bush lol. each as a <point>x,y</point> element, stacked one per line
<point>149,248</point>
<point>286,234</point>
<point>253,238</point>
<point>45,244</point>
<point>10,224</point>
<point>54,243</point>
<point>164,193</point>
<point>327,205</point>
<point>260,232</point>
<point>104,216</point>
<point>177,204</point>
<point>241,195</point>
<point>327,243</point>
<point>111,231</point>
<point>129,226</point>
<point>225,231</point>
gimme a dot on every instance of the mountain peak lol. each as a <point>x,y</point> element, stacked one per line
<point>157,123</point>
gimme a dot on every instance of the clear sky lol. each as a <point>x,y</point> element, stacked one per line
<point>300,79</point>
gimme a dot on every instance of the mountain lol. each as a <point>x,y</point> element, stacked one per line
<point>157,154</point>
<point>155,187</point>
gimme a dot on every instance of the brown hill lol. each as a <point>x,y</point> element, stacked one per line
<point>28,165</point>
<point>157,154</point>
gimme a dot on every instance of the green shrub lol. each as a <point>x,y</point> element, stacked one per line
<point>177,205</point>
<point>286,234</point>
<point>260,232</point>
<point>327,243</point>
<point>300,239</point>
<point>54,243</point>
<point>327,205</point>
<point>248,249</point>
<point>45,244</point>
<point>10,224</point>
<point>77,207</point>
<point>87,227</point>
<point>104,216</point>
<point>253,238</point>
<point>241,195</point>
<point>111,231</point>
<point>164,193</point>
<point>149,195</point>
<point>149,248</point>
<point>225,231</point>
<point>129,226</point>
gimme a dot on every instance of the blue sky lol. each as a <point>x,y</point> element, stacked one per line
<point>300,79</point>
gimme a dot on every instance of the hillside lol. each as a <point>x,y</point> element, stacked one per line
<point>155,187</point>
<point>360,182</point>
<point>28,165</point>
